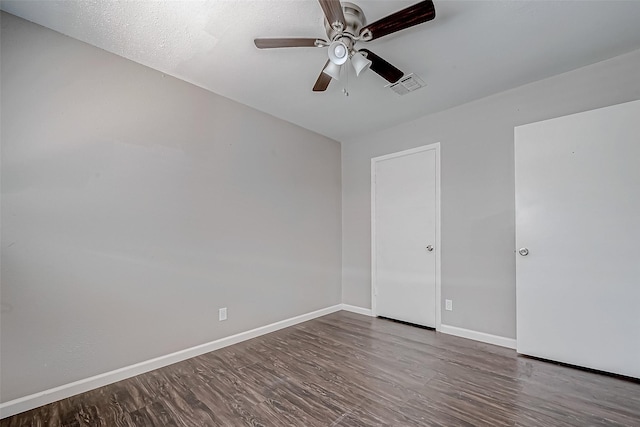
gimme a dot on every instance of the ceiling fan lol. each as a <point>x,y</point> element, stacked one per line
<point>346,25</point>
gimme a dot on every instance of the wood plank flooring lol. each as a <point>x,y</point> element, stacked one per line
<point>345,369</point>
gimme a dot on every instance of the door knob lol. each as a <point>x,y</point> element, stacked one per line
<point>523,251</point>
<point>429,248</point>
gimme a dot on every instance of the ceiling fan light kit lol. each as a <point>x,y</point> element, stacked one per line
<point>333,70</point>
<point>338,52</point>
<point>345,25</point>
<point>359,63</point>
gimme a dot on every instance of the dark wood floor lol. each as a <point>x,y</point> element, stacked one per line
<point>351,370</point>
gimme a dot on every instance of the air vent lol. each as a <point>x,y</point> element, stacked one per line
<point>407,84</point>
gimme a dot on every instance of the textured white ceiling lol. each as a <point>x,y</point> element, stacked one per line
<point>471,50</point>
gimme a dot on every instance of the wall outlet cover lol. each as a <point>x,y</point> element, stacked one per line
<point>448,305</point>
<point>222,314</point>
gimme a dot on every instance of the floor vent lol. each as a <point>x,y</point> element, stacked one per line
<point>407,84</point>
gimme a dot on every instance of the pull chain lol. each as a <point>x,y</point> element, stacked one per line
<point>346,81</point>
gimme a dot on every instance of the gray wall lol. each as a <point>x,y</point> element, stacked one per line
<point>477,164</point>
<point>134,205</point>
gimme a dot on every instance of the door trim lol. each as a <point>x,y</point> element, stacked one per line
<point>374,161</point>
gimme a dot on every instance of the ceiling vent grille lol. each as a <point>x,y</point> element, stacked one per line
<point>408,83</point>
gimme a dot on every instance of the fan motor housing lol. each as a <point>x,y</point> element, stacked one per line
<point>355,22</point>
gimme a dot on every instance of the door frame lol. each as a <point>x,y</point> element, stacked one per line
<point>374,161</point>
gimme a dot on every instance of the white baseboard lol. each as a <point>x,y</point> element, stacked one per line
<point>478,336</point>
<point>356,309</point>
<point>35,400</point>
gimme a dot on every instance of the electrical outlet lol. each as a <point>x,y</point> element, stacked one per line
<point>448,305</point>
<point>222,314</point>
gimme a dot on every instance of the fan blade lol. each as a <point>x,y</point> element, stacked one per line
<point>333,11</point>
<point>408,17</point>
<point>323,81</point>
<point>382,67</point>
<point>287,42</point>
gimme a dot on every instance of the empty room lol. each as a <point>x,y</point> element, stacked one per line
<point>319,213</point>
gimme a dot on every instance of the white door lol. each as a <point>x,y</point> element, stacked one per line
<point>578,215</point>
<point>404,225</point>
